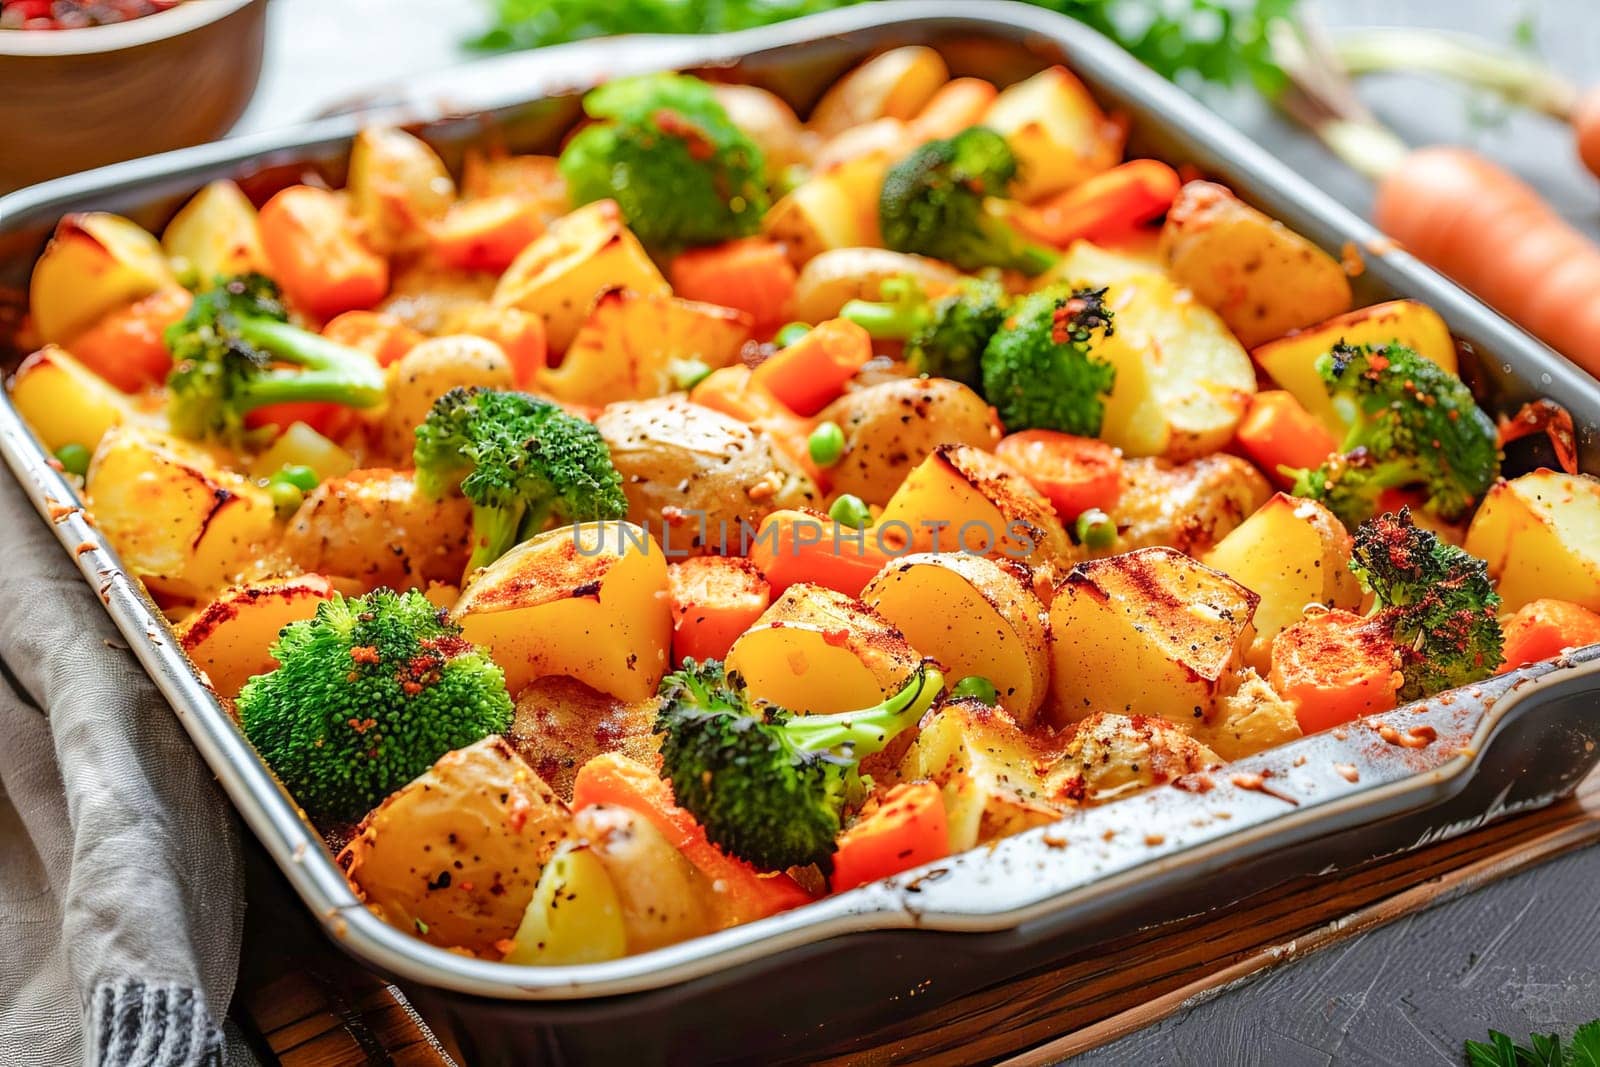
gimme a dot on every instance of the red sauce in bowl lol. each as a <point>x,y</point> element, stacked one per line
<point>75,14</point>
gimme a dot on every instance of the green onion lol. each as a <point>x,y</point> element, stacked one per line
<point>850,511</point>
<point>826,444</point>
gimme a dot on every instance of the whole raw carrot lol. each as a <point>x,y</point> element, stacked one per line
<point>1492,233</point>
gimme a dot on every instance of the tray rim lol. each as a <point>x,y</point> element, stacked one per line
<point>299,851</point>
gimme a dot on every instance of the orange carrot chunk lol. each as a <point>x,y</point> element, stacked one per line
<point>317,255</point>
<point>520,335</point>
<point>908,830</point>
<point>714,600</point>
<point>485,234</point>
<point>959,103</point>
<point>752,274</point>
<point>735,391</point>
<point>1076,473</point>
<point>1335,667</point>
<point>1124,196</point>
<point>813,371</point>
<point>743,894</point>
<point>127,347</point>
<point>1279,432</point>
<point>1541,629</point>
<point>380,335</point>
<point>793,546</point>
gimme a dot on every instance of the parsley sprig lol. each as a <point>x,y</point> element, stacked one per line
<point>1542,1050</point>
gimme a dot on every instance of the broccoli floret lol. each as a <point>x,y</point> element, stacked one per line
<point>1436,600</point>
<point>1411,423</point>
<point>223,353</point>
<point>521,460</point>
<point>933,203</point>
<point>943,337</point>
<point>665,150</point>
<point>769,786</point>
<point>367,694</point>
<point>1039,370</point>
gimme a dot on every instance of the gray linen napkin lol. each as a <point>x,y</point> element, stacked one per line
<point>121,895</point>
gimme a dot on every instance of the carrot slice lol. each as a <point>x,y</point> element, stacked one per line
<point>316,255</point>
<point>959,103</point>
<point>1076,473</point>
<point>735,391</point>
<point>1279,432</point>
<point>330,420</point>
<point>1335,667</point>
<point>910,829</point>
<point>794,546</point>
<point>127,347</point>
<point>1541,629</point>
<point>714,600</point>
<point>380,335</point>
<point>743,893</point>
<point>486,233</point>
<point>752,274</point>
<point>1127,195</point>
<point>810,373</point>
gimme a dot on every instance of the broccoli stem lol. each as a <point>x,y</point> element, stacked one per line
<point>1033,260</point>
<point>496,530</point>
<point>335,372</point>
<point>867,731</point>
<point>885,322</point>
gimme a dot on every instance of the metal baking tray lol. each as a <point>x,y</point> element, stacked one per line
<point>823,974</point>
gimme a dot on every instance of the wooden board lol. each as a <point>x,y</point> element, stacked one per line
<point>307,1005</point>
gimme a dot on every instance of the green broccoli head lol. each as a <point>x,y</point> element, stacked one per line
<point>1411,423</point>
<point>944,338</point>
<point>223,351</point>
<point>935,203</point>
<point>770,786</point>
<point>1436,599</point>
<point>665,150</point>
<point>367,694</point>
<point>1039,370</point>
<point>521,460</point>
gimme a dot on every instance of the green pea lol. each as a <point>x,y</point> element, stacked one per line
<point>286,497</point>
<point>790,333</point>
<point>298,475</point>
<point>688,373</point>
<point>74,459</point>
<point>1096,530</point>
<point>850,511</point>
<point>826,444</point>
<point>977,686</point>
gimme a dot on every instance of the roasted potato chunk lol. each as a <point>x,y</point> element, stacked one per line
<point>229,639</point>
<point>974,616</point>
<point>587,601</point>
<point>374,527</point>
<point>1248,720</point>
<point>1291,553</point>
<point>66,403</point>
<point>988,769</point>
<point>177,519</point>
<point>833,208</point>
<point>662,897</point>
<point>1260,276</point>
<point>575,915</point>
<point>216,234</point>
<point>693,475</point>
<point>818,652</point>
<point>1292,360</point>
<point>427,372</point>
<point>1149,632</point>
<point>582,255</point>
<point>769,122</point>
<point>964,499</point>
<point>1540,534</point>
<point>561,724</point>
<point>631,346</point>
<point>428,296</point>
<point>895,85</point>
<point>1109,756</point>
<point>1056,130</point>
<point>396,184</point>
<point>454,856</point>
<point>833,278</point>
<point>95,263</point>
<point>892,426</point>
<point>1191,506</point>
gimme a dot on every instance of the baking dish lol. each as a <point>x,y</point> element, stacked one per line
<point>805,979</point>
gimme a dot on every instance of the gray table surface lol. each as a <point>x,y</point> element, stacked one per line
<point>1518,956</point>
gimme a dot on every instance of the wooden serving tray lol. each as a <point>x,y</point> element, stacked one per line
<point>308,1005</point>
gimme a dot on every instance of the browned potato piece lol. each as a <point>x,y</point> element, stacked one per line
<point>891,427</point>
<point>230,638</point>
<point>453,857</point>
<point>95,263</point>
<point>1260,276</point>
<point>691,473</point>
<point>835,277</point>
<point>894,85</point>
<point>1190,506</point>
<point>561,724</point>
<point>1149,632</point>
<point>963,498</point>
<point>769,122</point>
<point>818,652</point>
<point>1540,535</point>
<point>426,295</point>
<point>1056,130</point>
<point>662,897</point>
<point>1248,720</point>
<point>1109,756</point>
<point>375,528</point>
<point>974,616</point>
<point>426,373</point>
<point>396,183</point>
<point>836,207</point>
